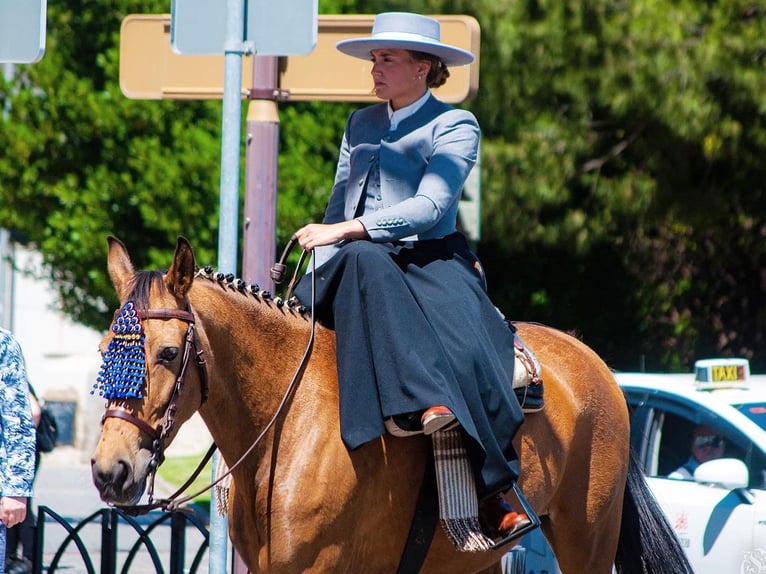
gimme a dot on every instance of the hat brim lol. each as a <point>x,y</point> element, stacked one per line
<point>361,48</point>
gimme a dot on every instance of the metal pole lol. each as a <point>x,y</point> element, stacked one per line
<point>108,541</point>
<point>234,48</point>
<point>260,217</point>
<point>260,229</point>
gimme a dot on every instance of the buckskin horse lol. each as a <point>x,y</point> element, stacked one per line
<point>300,501</point>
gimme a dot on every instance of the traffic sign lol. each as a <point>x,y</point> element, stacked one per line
<point>150,69</point>
<point>198,27</point>
<point>22,31</point>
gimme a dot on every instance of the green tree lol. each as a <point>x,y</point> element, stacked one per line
<point>622,177</point>
<point>622,183</point>
<point>82,161</point>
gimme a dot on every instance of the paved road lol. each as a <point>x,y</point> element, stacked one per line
<point>64,485</point>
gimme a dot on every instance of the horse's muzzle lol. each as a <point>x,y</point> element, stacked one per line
<point>117,482</point>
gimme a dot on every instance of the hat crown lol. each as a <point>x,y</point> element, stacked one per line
<point>406,23</point>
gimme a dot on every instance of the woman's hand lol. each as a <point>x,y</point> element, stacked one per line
<point>13,509</point>
<point>318,234</point>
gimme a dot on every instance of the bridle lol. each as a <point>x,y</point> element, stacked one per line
<point>160,434</point>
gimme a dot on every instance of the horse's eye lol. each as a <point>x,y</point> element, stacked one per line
<point>168,354</point>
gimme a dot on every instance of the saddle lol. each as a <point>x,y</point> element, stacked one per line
<point>527,383</point>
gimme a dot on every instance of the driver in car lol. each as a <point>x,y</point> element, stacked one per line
<point>706,444</point>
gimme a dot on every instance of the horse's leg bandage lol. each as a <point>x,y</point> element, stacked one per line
<point>458,501</point>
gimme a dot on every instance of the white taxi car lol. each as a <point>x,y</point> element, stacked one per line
<point>719,514</point>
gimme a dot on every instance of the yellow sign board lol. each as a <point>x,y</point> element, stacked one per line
<point>149,69</point>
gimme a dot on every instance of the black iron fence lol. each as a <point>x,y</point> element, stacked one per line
<point>157,543</point>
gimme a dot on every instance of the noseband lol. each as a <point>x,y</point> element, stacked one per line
<point>160,434</point>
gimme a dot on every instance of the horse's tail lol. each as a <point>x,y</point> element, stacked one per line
<point>647,543</point>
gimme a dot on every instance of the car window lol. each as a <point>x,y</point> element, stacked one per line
<point>664,442</point>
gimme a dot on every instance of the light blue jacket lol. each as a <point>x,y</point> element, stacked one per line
<point>424,163</point>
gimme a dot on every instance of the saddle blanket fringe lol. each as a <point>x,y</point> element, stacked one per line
<point>458,502</point>
<point>222,489</point>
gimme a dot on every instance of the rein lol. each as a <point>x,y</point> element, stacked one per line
<point>160,434</point>
<point>277,274</point>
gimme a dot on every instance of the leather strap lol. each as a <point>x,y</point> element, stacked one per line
<point>423,525</point>
<point>166,314</point>
<point>126,416</point>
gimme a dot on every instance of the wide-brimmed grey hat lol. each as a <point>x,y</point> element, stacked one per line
<point>405,31</point>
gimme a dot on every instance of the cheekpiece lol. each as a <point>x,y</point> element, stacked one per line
<point>123,367</point>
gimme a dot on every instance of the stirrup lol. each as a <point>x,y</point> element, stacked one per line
<point>534,521</point>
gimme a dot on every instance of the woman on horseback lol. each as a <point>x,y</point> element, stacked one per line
<point>420,347</point>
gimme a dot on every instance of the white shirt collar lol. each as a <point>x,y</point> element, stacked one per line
<point>396,116</point>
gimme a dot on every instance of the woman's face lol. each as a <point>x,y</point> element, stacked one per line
<point>398,77</point>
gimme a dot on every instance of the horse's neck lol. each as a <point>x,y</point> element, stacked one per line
<point>255,350</point>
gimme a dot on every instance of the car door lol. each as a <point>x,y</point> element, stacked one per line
<point>715,525</point>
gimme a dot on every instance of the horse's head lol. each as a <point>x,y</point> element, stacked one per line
<point>144,378</point>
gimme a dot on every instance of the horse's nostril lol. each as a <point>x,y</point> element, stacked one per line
<point>113,476</point>
<point>120,472</point>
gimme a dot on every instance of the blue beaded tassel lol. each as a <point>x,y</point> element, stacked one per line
<point>123,369</point>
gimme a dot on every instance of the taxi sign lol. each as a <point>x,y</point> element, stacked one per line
<point>712,374</point>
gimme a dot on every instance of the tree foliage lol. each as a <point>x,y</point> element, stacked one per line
<point>622,181</point>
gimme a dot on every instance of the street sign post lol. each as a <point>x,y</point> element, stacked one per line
<point>22,31</point>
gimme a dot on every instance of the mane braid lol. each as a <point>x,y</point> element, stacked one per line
<point>232,283</point>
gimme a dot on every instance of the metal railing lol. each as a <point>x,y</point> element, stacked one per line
<point>152,544</point>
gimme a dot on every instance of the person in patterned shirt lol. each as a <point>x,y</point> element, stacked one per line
<point>17,438</point>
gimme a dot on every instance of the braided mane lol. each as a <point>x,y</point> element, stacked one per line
<point>143,281</point>
<point>237,285</point>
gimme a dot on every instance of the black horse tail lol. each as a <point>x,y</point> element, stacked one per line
<point>647,543</point>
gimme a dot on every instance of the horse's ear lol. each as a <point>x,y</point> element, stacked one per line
<point>120,267</point>
<point>181,273</point>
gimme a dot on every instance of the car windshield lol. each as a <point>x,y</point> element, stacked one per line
<point>756,412</point>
